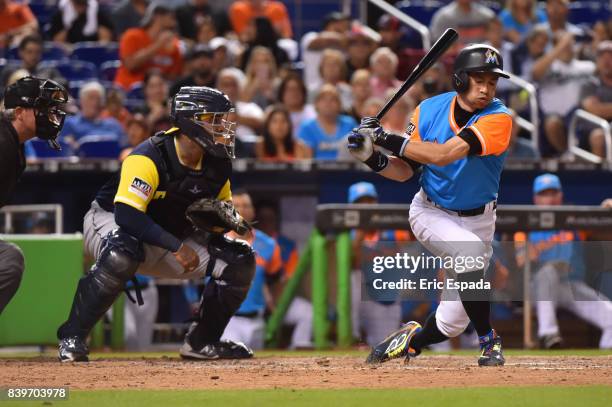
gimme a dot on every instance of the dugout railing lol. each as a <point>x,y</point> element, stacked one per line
<point>334,221</point>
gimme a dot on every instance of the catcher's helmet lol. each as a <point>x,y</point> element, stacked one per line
<point>476,58</point>
<point>47,98</point>
<point>202,114</point>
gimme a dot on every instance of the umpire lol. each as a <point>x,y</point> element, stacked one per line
<point>33,108</point>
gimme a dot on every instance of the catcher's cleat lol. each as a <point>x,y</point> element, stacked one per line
<point>491,350</point>
<point>219,350</point>
<point>396,345</point>
<point>73,349</point>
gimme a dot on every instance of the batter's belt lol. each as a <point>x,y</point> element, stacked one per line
<point>465,212</point>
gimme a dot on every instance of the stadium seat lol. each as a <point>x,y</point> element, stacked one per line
<point>43,10</point>
<point>95,52</point>
<point>108,70</point>
<point>420,10</point>
<point>136,91</point>
<point>588,12</point>
<point>51,52</point>
<point>42,149</point>
<point>98,147</point>
<point>73,70</point>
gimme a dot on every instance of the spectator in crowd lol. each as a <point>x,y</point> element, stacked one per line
<point>557,12</point>
<point>249,117</point>
<point>494,37</point>
<point>525,55</point>
<point>520,147</point>
<point>202,71</point>
<point>560,273</point>
<point>375,318</point>
<point>390,32</point>
<point>383,65</point>
<point>241,12</point>
<point>560,76</point>
<point>277,142</point>
<point>518,17</point>
<point>138,130</point>
<point>128,14</point>
<point>360,48</point>
<point>468,17</point>
<point>433,82</point>
<point>334,34</point>
<point>156,107</point>
<point>80,20</point>
<point>206,31</point>
<point>224,53</point>
<point>596,96</point>
<point>299,313</point>
<point>88,122</point>
<point>325,134</point>
<point>260,33</point>
<point>261,75</point>
<point>360,90</point>
<point>248,325</point>
<point>398,117</point>
<point>16,21</point>
<point>194,13</point>
<point>600,31</point>
<point>333,70</point>
<point>154,45</point>
<point>292,94</point>
<point>115,108</point>
<point>30,54</point>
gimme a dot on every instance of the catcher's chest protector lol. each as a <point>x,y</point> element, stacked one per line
<point>180,186</point>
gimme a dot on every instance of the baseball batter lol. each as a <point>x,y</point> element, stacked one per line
<point>459,141</point>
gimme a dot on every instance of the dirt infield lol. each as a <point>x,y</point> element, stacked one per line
<point>304,373</point>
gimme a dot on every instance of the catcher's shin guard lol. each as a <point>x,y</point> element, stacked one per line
<point>225,291</point>
<point>98,289</point>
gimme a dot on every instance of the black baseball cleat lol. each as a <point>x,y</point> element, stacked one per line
<point>219,350</point>
<point>491,350</point>
<point>73,349</point>
<point>396,345</point>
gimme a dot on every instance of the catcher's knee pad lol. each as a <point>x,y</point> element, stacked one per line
<point>240,259</point>
<point>118,261</point>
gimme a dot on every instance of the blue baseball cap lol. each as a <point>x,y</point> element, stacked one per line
<point>546,181</point>
<point>360,190</point>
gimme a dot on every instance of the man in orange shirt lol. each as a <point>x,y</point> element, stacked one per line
<point>154,45</point>
<point>243,11</point>
<point>16,21</point>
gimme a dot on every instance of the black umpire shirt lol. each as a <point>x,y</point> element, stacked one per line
<point>12,160</point>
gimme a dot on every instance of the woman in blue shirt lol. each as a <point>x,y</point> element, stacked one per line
<point>325,134</point>
<point>519,17</point>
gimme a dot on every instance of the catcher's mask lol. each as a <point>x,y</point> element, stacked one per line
<point>47,98</point>
<point>203,114</point>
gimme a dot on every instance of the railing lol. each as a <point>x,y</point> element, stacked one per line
<point>532,125</point>
<point>573,139</point>
<point>9,210</point>
<point>393,11</point>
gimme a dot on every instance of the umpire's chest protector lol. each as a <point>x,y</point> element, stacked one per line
<point>180,186</point>
<point>466,183</point>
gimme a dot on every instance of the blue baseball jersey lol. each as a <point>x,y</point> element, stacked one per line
<point>472,181</point>
<point>325,146</point>
<point>556,245</point>
<point>268,263</point>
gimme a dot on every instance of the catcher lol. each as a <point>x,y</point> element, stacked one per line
<point>165,215</point>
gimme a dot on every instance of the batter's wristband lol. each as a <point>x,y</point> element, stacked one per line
<point>377,161</point>
<point>393,143</point>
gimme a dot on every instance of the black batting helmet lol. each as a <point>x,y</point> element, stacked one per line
<point>476,58</point>
<point>202,114</point>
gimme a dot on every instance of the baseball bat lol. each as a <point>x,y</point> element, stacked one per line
<point>444,42</point>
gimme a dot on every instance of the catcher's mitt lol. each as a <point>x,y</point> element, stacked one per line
<point>215,216</point>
